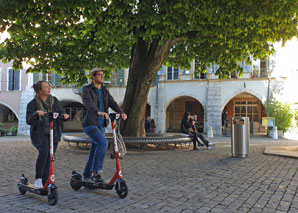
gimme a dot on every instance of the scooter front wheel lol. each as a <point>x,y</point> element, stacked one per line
<point>23,182</point>
<point>121,188</point>
<point>53,196</point>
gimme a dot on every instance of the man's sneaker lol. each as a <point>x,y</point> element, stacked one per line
<point>38,183</point>
<point>209,147</point>
<point>96,178</point>
<point>86,179</point>
<point>195,148</point>
<point>210,144</point>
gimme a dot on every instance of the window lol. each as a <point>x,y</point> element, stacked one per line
<point>75,113</point>
<point>263,68</point>
<point>249,109</point>
<point>47,77</point>
<point>13,79</point>
<point>173,73</point>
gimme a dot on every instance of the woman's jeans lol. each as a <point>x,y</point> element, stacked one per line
<point>42,168</point>
<point>98,149</point>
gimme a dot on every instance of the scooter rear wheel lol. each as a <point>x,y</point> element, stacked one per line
<point>121,188</point>
<point>53,197</point>
<point>22,192</point>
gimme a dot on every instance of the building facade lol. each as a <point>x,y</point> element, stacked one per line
<point>175,91</point>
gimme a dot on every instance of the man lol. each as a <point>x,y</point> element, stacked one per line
<point>96,101</point>
<point>147,123</point>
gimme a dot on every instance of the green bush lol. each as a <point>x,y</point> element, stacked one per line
<point>282,113</point>
<point>4,131</point>
<point>13,129</point>
<point>296,117</point>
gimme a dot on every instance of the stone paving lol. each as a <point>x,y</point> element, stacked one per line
<point>174,180</point>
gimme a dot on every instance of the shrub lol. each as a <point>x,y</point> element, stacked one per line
<point>282,113</point>
<point>13,129</point>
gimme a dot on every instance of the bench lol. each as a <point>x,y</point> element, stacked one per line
<point>151,138</point>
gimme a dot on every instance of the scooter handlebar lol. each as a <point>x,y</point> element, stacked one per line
<point>115,116</point>
<point>54,116</point>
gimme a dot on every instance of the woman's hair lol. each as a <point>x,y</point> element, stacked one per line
<point>185,116</point>
<point>38,86</point>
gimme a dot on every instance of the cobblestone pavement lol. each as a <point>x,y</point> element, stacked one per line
<point>174,180</point>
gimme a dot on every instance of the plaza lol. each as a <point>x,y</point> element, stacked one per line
<point>160,180</point>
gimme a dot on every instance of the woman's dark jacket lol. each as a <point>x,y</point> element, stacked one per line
<point>185,126</point>
<point>37,124</point>
<point>91,104</point>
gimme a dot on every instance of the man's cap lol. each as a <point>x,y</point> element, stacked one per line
<point>94,70</point>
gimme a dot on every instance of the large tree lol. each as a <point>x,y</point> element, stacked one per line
<point>71,37</point>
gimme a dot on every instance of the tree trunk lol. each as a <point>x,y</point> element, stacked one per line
<point>145,61</point>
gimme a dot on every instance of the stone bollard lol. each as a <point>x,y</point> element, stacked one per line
<point>210,132</point>
<point>274,133</point>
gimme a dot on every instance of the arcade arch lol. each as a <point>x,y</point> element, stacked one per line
<point>74,109</point>
<point>178,107</point>
<point>7,116</point>
<point>244,105</point>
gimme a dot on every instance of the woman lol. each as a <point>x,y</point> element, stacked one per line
<point>40,128</point>
<point>152,125</point>
<point>187,128</point>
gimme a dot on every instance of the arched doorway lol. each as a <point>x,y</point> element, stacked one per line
<point>178,107</point>
<point>74,109</point>
<point>7,117</point>
<point>148,110</point>
<point>244,105</point>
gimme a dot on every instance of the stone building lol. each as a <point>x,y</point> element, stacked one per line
<point>175,91</point>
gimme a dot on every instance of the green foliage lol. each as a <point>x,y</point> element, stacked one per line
<point>4,131</point>
<point>13,129</point>
<point>282,113</point>
<point>71,37</point>
<point>296,117</point>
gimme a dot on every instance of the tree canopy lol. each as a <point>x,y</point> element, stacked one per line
<point>70,37</point>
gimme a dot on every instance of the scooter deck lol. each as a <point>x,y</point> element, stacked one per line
<point>94,185</point>
<point>30,188</point>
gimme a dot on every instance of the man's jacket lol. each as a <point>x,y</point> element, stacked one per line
<point>91,104</point>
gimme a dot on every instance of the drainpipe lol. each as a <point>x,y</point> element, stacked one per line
<point>268,95</point>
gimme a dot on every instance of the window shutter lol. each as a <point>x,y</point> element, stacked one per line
<point>35,77</point>
<point>10,79</point>
<point>53,82</point>
<point>0,78</point>
<point>56,80</point>
<point>16,79</point>
<point>120,77</point>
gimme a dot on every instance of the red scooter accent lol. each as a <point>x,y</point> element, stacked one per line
<point>51,179</point>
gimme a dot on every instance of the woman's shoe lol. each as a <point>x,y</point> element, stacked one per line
<point>195,148</point>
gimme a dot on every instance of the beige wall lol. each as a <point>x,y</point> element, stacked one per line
<point>11,99</point>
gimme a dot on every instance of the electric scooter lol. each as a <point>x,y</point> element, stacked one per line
<point>49,189</point>
<point>76,181</point>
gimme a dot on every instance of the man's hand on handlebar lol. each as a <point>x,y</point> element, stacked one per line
<point>104,115</point>
<point>124,116</point>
